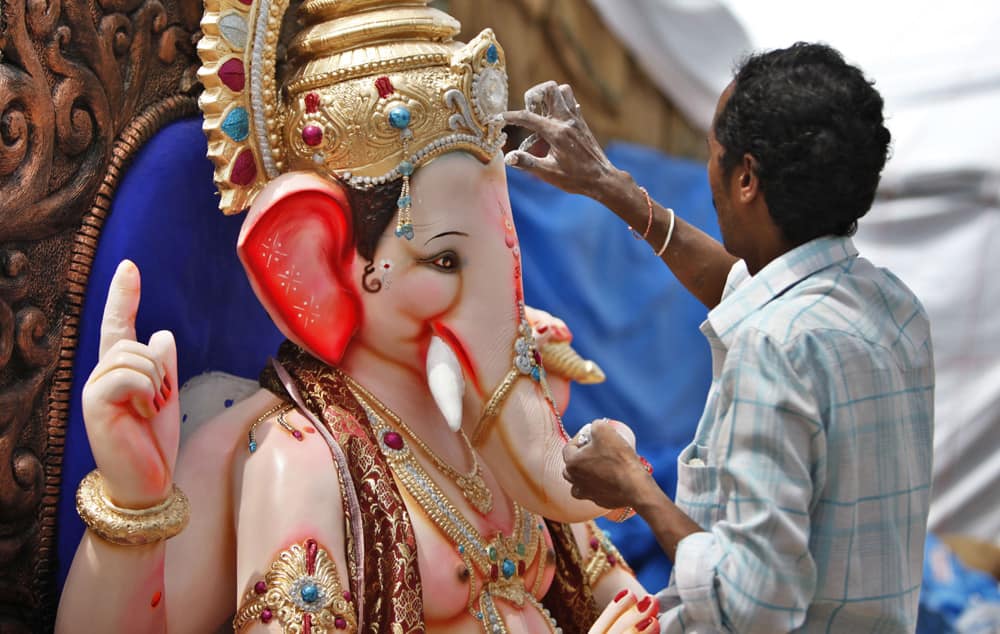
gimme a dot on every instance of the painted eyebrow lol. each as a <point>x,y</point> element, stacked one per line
<point>447,233</point>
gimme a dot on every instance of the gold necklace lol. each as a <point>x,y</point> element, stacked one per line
<point>501,561</point>
<point>472,484</point>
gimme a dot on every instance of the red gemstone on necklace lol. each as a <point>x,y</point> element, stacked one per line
<point>297,435</point>
<point>260,587</point>
<point>307,623</point>
<point>266,615</point>
<point>612,560</point>
<point>520,568</point>
<point>347,595</point>
<point>594,543</point>
<point>392,440</point>
<point>494,572</point>
<point>311,550</point>
<point>231,74</point>
<point>340,623</point>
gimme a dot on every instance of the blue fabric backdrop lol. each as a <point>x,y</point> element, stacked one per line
<point>580,263</point>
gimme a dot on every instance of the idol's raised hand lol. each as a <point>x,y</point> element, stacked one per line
<point>130,403</point>
<point>561,149</point>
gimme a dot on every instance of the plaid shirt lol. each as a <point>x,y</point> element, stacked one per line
<point>811,466</point>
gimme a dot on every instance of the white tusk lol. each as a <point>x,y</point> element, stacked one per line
<point>446,381</point>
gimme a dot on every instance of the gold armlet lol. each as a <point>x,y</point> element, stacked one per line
<point>302,590</point>
<point>129,527</point>
<point>603,556</point>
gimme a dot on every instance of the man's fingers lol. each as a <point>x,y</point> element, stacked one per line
<point>534,97</point>
<point>123,303</point>
<point>529,120</point>
<point>555,99</point>
<point>569,98</point>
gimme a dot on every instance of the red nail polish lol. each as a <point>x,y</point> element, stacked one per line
<point>644,604</point>
<point>542,329</point>
<point>621,595</point>
<point>166,381</point>
<point>164,391</point>
<point>644,624</point>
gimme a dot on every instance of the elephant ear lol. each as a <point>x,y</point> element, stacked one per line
<point>297,247</point>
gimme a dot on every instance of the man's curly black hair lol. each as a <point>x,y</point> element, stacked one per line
<point>814,125</point>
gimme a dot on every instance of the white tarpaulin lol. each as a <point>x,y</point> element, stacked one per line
<point>938,67</point>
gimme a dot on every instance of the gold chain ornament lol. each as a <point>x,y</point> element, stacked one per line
<point>472,484</point>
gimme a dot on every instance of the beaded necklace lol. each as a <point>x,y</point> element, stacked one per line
<point>502,561</point>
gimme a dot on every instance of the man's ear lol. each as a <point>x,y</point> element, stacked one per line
<point>749,183</point>
<point>297,247</point>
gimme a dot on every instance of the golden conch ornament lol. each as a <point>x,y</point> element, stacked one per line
<point>376,89</point>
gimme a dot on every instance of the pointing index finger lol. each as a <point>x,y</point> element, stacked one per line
<point>120,309</point>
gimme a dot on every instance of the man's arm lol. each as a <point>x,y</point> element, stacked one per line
<point>569,157</point>
<point>752,571</point>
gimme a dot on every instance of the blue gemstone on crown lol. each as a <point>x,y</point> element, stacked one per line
<point>399,118</point>
<point>406,168</point>
<point>492,54</point>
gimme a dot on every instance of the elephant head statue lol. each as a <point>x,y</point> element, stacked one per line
<point>379,233</point>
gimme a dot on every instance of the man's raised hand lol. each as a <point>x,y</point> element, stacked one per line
<point>130,403</point>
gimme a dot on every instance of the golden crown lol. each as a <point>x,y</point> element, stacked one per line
<point>377,89</point>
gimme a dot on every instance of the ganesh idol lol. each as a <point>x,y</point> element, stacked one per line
<point>400,467</point>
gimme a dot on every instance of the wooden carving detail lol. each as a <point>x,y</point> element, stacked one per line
<point>82,84</point>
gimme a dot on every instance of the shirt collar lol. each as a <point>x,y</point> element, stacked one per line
<point>744,294</point>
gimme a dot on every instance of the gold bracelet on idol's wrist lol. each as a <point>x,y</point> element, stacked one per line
<point>129,527</point>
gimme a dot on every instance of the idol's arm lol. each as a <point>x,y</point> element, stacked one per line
<point>290,531</point>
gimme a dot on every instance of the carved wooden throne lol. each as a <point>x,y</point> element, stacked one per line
<point>83,84</point>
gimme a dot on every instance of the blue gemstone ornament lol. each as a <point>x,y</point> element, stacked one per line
<point>508,568</point>
<point>492,54</point>
<point>536,375</point>
<point>404,201</point>
<point>309,593</point>
<point>399,118</point>
<point>237,124</point>
<point>406,168</point>
<point>405,231</point>
<point>253,446</point>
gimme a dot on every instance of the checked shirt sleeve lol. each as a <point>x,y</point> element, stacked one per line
<point>751,569</point>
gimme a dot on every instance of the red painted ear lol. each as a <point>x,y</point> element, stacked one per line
<point>297,247</point>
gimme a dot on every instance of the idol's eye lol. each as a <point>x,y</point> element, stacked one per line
<point>446,261</point>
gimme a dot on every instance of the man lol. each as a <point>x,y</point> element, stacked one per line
<point>802,502</point>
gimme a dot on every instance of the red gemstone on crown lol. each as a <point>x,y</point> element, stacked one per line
<point>340,623</point>
<point>392,440</point>
<point>312,135</point>
<point>244,169</point>
<point>312,102</point>
<point>260,587</point>
<point>347,595</point>
<point>297,435</point>
<point>494,572</point>
<point>538,357</point>
<point>232,75</point>
<point>594,543</point>
<point>612,560</point>
<point>520,567</point>
<point>384,87</point>
<point>266,615</point>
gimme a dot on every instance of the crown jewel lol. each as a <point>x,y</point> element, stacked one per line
<point>377,89</point>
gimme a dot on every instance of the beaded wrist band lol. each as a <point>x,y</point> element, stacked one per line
<point>649,221</point>
<point>129,527</point>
